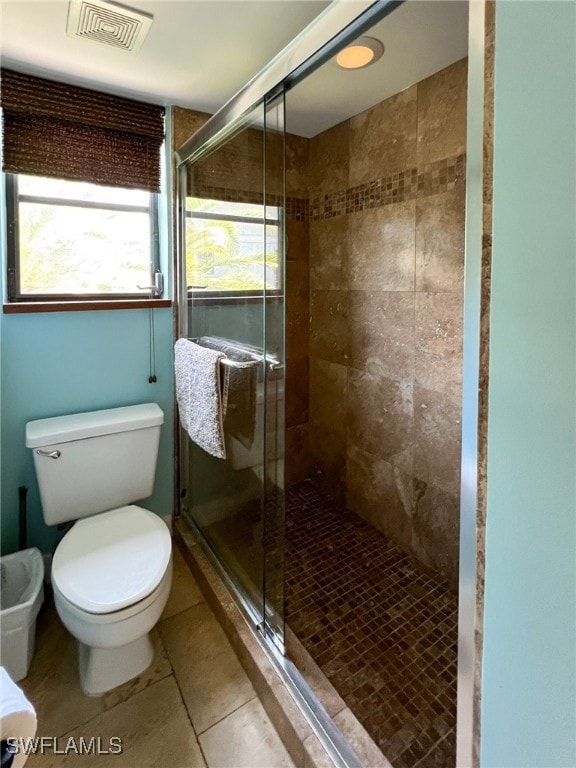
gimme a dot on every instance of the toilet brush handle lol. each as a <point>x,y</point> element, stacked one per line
<point>7,754</point>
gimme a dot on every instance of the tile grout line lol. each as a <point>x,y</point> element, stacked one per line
<point>180,693</point>
<point>221,720</point>
<point>196,734</point>
<point>202,732</point>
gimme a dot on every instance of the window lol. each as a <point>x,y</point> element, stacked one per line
<point>229,251</point>
<point>83,177</point>
<point>71,240</point>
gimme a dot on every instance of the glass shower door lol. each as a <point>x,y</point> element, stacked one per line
<point>274,327</point>
<point>232,238</point>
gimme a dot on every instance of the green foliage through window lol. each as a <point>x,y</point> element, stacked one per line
<point>230,247</point>
<point>73,239</point>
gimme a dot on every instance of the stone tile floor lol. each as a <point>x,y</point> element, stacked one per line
<point>193,708</point>
<point>382,630</point>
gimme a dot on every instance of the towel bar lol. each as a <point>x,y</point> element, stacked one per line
<point>273,363</point>
<point>236,364</point>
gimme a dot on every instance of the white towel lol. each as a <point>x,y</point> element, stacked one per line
<point>200,395</point>
<point>17,717</point>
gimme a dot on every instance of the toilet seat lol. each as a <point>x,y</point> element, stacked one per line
<point>112,560</point>
<point>104,620</point>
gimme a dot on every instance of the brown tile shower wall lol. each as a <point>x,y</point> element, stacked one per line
<point>386,284</point>
<point>298,459</point>
<point>185,123</point>
<point>374,283</point>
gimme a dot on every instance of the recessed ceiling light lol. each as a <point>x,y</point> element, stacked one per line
<point>360,53</point>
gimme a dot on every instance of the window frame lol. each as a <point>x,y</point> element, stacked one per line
<point>15,297</point>
<point>237,294</point>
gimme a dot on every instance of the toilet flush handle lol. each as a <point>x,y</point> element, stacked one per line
<point>50,454</point>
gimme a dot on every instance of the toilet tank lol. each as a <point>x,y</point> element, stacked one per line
<point>92,462</point>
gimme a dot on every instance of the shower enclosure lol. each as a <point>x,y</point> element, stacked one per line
<point>325,260</point>
<point>232,298</point>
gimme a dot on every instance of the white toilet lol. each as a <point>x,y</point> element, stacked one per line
<point>112,571</point>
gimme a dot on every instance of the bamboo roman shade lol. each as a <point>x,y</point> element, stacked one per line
<point>62,131</point>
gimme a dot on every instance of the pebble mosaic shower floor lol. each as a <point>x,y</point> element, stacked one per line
<point>381,629</point>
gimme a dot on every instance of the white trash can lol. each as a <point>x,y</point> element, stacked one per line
<point>21,595</point>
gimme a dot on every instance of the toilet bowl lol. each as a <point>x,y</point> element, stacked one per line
<point>112,575</point>
<point>112,571</point>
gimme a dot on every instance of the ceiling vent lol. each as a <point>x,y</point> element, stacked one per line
<point>108,23</point>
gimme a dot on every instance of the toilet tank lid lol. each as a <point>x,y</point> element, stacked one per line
<point>79,426</point>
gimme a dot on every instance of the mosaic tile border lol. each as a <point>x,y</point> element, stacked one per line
<point>435,178</point>
<point>296,207</point>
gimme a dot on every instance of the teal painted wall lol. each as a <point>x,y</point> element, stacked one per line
<point>529,662</point>
<point>68,362</point>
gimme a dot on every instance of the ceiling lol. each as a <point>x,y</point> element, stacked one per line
<point>420,37</point>
<point>198,53</point>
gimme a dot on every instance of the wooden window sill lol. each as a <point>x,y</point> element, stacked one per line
<point>23,307</point>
